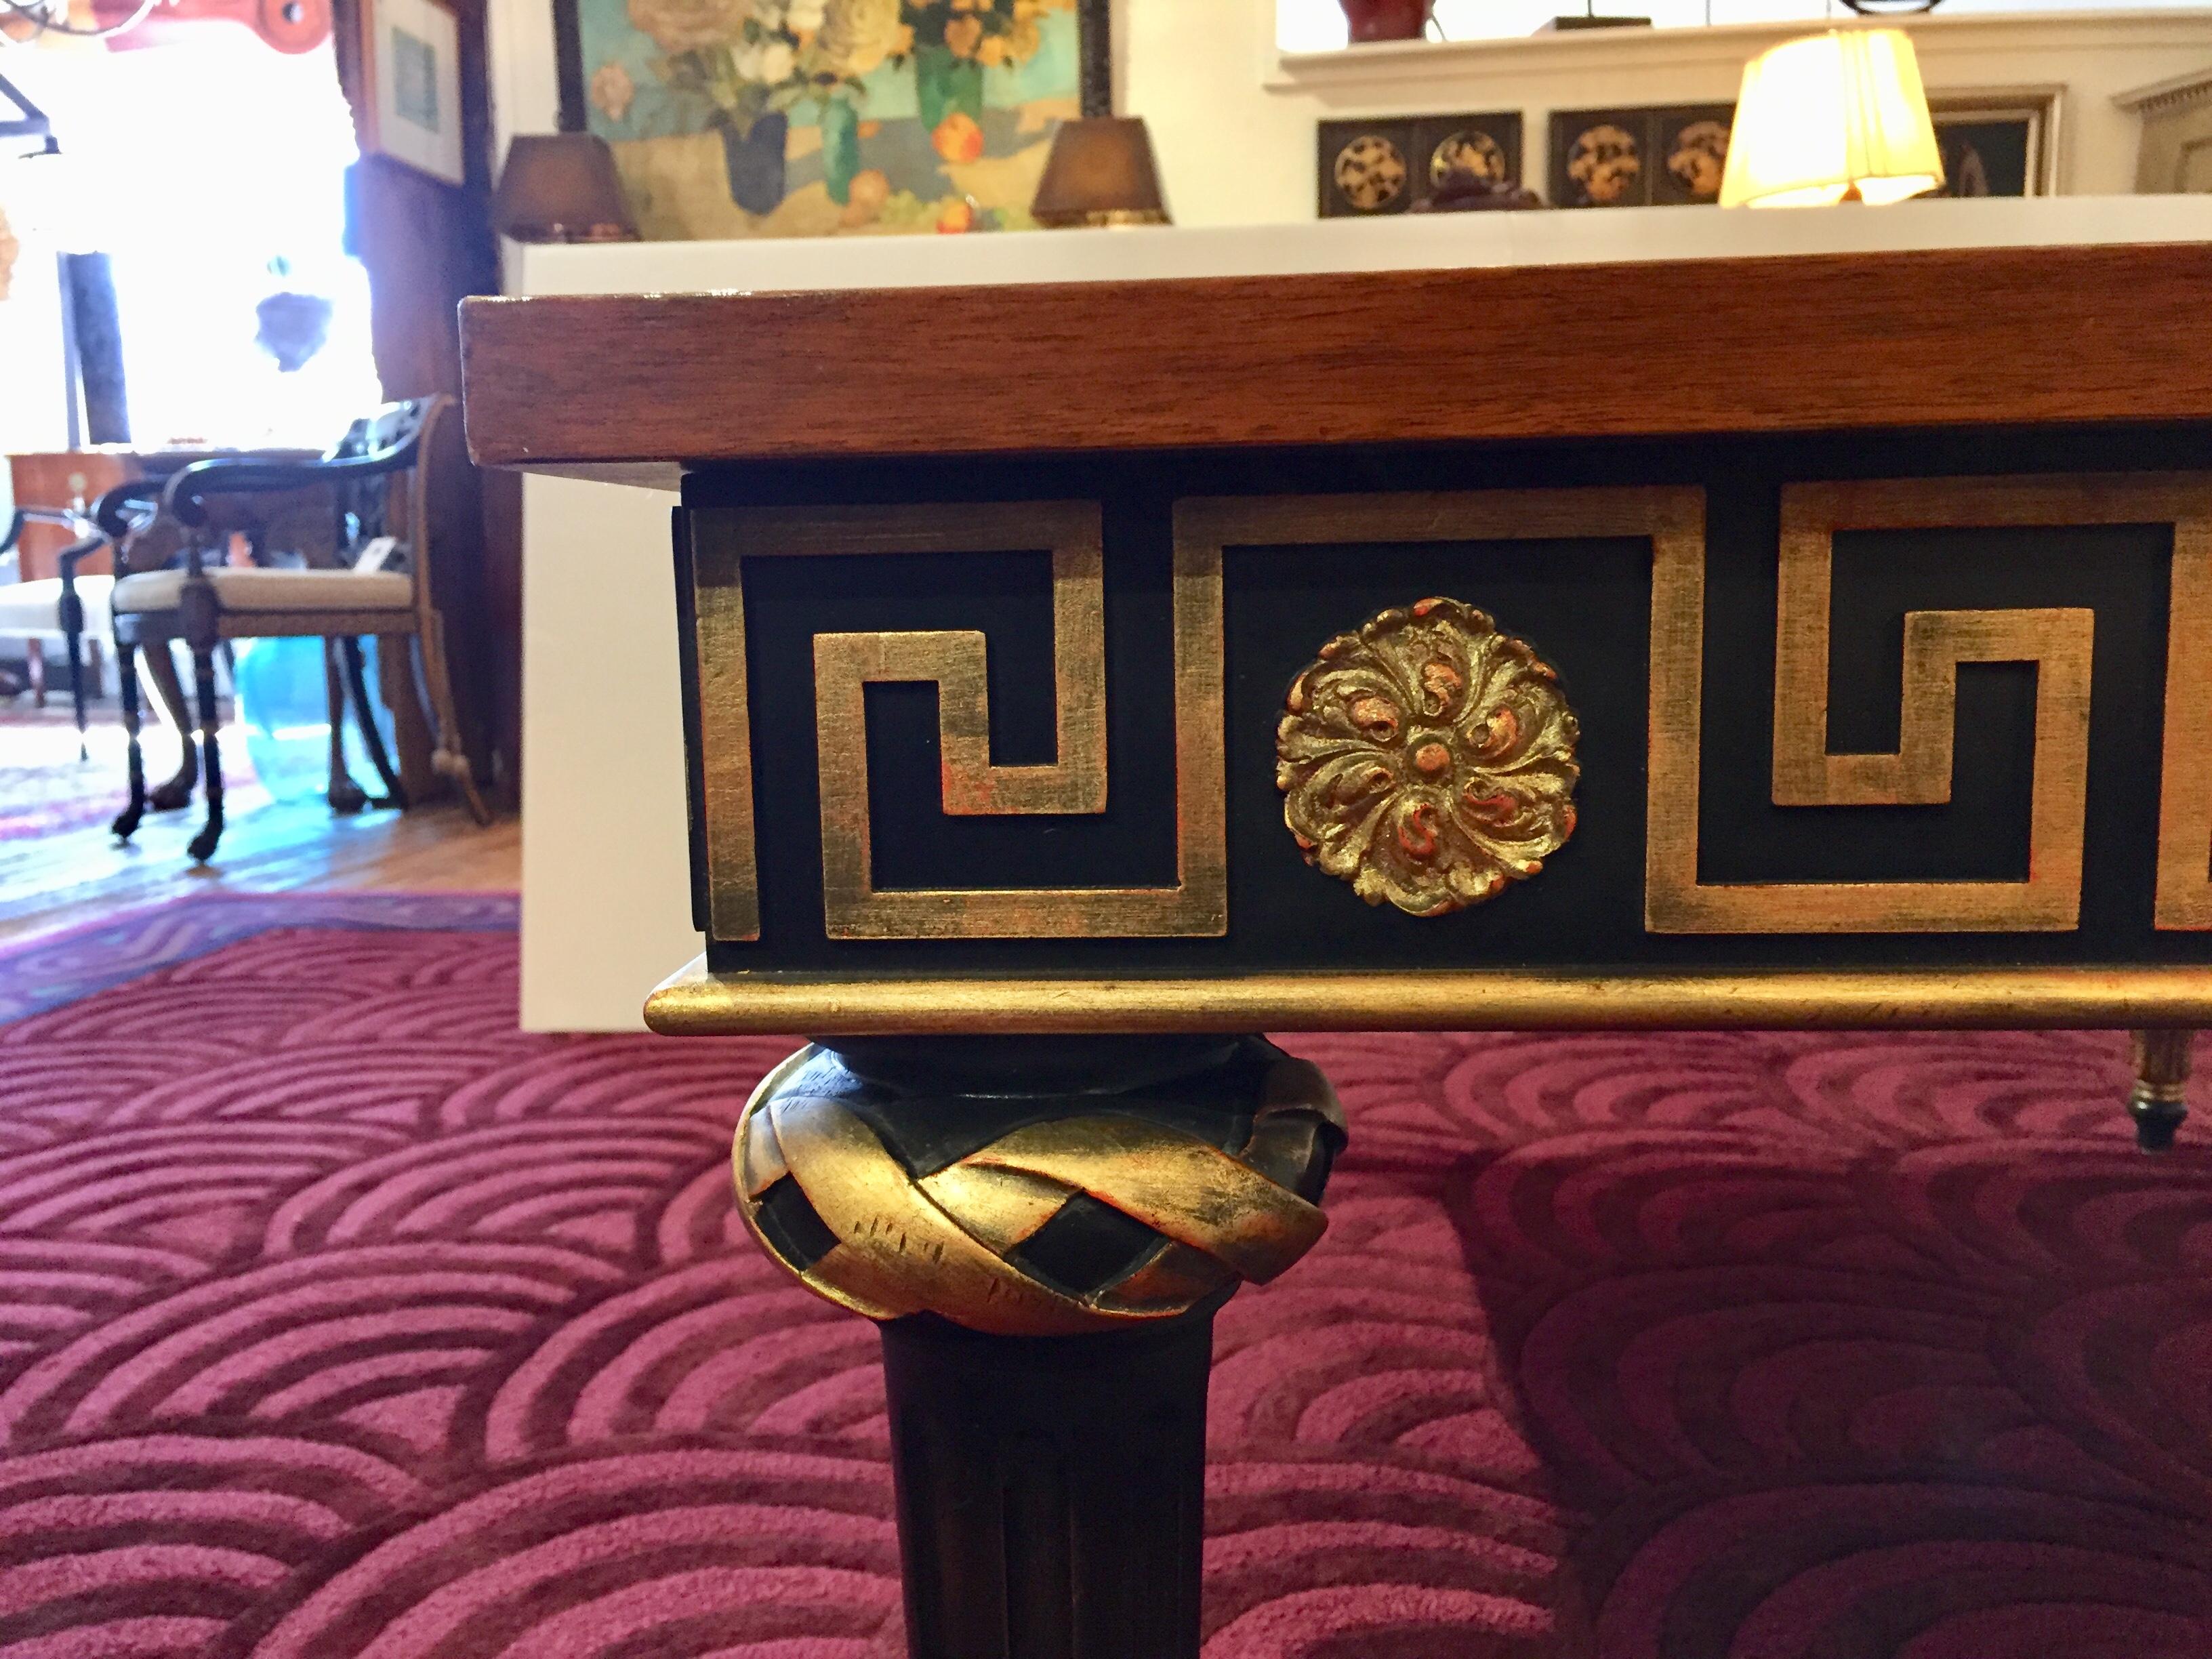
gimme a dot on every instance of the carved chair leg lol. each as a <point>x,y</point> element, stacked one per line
<point>345,795</point>
<point>2160,1099</point>
<point>364,716</point>
<point>202,847</point>
<point>174,794</point>
<point>74,643</point>
<point>1046,1229</point>
<point>35,666</point>
<point>449,756</point>
<point>126,686</point>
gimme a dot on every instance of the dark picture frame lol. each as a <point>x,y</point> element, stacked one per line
<point>1997,143</point>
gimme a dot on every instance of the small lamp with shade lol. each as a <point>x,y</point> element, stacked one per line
<point>1840,117</point>
<point>1100,171</point>
<point>560,187</point>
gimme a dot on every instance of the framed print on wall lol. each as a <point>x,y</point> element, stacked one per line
<point>823,118</point>
<point>1993,144</point>
<point>1997,143</point>
<point>411,111</point>
<point>1690,146</point>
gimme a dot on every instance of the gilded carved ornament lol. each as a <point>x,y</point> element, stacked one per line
<point>1427,759</point>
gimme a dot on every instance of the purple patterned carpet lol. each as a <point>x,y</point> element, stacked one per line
<point>340,1320</point>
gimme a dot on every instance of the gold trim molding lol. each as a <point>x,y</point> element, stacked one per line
<point>699,1002</point>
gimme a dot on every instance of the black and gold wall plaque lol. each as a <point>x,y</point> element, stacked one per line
<point>1371,167</point>
<point>1660,155</point>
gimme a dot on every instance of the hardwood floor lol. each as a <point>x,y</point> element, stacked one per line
<point>65,877</point>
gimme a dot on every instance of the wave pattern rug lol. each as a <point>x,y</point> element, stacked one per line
<point>339,1320</point>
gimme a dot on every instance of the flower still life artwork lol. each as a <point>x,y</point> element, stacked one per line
<point>818,118</point>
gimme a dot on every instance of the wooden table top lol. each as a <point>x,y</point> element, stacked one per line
<point>624,386</point>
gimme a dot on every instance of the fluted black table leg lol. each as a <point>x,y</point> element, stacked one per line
<point>1051,1489</point>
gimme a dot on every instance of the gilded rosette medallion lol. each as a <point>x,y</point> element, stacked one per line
<point>1428,759</point>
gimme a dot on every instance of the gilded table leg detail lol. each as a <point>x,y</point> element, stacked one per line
<point>1045,1228</point>
<point>2160,1099</point>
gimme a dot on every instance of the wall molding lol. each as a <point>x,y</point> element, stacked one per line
<point>1385,65</point>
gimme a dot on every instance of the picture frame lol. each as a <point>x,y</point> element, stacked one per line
<point>829,118</point>
<point>1372,168</point>
<point>411,106</point>
<point>2173,155</point>
<point>2001,142</point>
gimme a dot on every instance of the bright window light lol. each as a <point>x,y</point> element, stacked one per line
<point>194,165</point>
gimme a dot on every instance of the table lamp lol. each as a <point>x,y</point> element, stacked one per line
<point>1839,117</point>
<point>1101,171</point>
<point>561,188</point>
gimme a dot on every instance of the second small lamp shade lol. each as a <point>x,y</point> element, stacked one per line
<point>560,187</point>
<point>1100,171</point>
<point>1836,117</point>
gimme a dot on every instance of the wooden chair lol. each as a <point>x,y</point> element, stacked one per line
<point>66,606</point>
<point>378,582</point>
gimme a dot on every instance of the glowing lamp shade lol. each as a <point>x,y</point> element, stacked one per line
<point>1835,118</point>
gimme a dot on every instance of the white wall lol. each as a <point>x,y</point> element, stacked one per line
<point>1319,25</point>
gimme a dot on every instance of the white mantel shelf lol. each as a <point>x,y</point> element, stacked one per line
<point>1384,64</point>
<point>1431,242</point>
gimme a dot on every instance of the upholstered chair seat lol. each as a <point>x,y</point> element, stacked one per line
<point>256,589</point>
<point>34,608</point>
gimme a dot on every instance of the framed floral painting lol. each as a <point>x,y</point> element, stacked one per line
<point>818,118</point>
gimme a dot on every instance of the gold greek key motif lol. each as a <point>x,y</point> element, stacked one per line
<point>943,1242</point>
<point>2184,801</point>
<point>2058,640</point>
<point>725,744</point>
<point>1074,783</point>
<point>1427,759</point>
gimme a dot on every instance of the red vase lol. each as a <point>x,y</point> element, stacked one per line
<point>1388,20</point>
